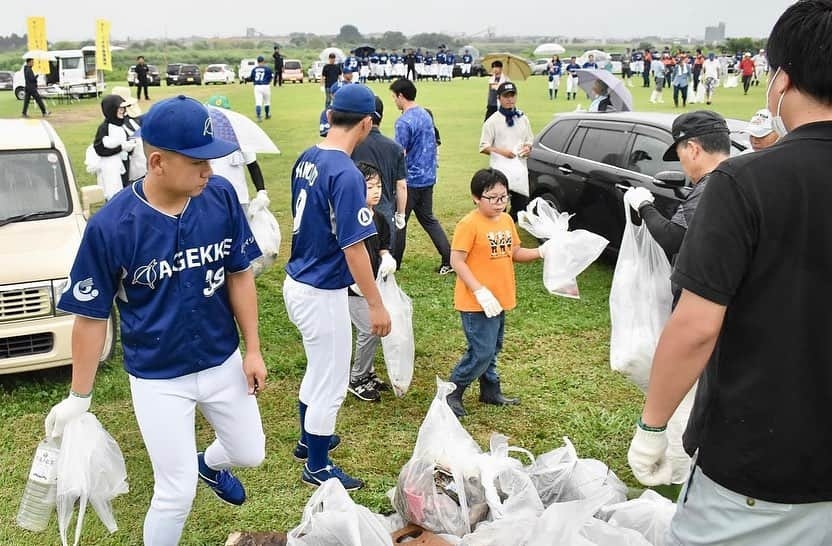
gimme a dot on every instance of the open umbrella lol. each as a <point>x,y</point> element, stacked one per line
<point>234,127</point>
<point>472,51</point>
<point>620,96</point>
<point>514,66</point>
<point>544,50</point>
<point>339,54</point>
<point>364,50</point>
<point>597,53</point>
<point>39,55</point>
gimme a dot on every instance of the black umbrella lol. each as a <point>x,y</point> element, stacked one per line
<point>364,50</point>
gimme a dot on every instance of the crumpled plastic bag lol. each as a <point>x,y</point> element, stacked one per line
<point>515,170</point>
<point>650,515</point>
<point>508,488</point>
<point>331,518</point>
<point>568,254</point>
<point>266,232</point>
<point>90,469</point>
<point>399,346</point>
<point>560,476</point>
<point>640,302</point>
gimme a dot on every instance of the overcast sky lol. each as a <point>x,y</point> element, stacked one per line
<point>67,20</point>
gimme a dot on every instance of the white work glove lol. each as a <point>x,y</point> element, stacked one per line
<point>648,457</point>
<point>354,288</point>
<point>65,411</point>
<point>543,246</point>
<point>388,264</point>
<point>399,219</point>
<point>489,303</point>
<point>128,145</point>
<point>636,197</point>
<point>260,202</point>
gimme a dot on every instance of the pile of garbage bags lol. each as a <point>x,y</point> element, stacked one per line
<point>502,497</point>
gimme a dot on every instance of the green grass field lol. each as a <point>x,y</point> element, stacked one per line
<point>555,355</point>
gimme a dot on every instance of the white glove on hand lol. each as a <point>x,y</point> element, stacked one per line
<point>354,288</point>
<point>542,248</point>
<point>399,219</point>
<point>65,411</point>
<point>635,197</point>
<point>260,202</point>
<point>648,459</point>
<point>388,264</point>
<point>489,303</point>
<point>128,145</point>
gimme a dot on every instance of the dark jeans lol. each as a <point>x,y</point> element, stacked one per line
<point>33,94</point>
<point>328,99</point>
<point>420,201</point>
<point>278,76</point>
<point>139,86</point>
<point>485,341</point>
<point>518,202</point>
<point>411,73</point>
<point>746,83</point>
<point>696,76</point>
<point>646,77</point>
<point>680,90</point>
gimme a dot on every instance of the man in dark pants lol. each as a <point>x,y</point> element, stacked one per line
<point>330,74</point>
<point>278,67</point>
<point>388,156</point>
<point>410,60</point>
<point>416,134</point>
<point>32,89</point>
<point>141,78</point>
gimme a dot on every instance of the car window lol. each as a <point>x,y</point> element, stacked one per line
<point>646,157</point>
<point>603,145</point>
<point>70,63</point>
<point>577,140</point>
<point>214,69</point>
<point>291,65</point>
<point>32,181</point>
<point>558,134</point>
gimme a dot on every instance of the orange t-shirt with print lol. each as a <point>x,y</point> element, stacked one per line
<point>489,244</point>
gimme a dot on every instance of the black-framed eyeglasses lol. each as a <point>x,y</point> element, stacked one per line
<point>496,199</point>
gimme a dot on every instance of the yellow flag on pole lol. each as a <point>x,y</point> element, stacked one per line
<point>103,61</point>
<point>36,31</point>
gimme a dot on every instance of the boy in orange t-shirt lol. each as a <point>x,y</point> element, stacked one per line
<point>484,249</point>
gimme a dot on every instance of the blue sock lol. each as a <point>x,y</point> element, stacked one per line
<point>268,111</point>
<point>318,451</point>
<point>257,109</point>
<point>302,410</point>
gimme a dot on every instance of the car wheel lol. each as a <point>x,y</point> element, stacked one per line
<point>109,340</point>
<point>20,93</point>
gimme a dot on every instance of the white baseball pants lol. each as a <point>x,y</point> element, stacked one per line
<point>262,95</point>
<point>323,319</point>
<point>164,409</point>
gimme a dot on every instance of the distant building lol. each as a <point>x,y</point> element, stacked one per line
<point>715,34</point>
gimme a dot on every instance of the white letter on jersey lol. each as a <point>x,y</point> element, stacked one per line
<point>214,279</point>
<point>300,204</point>
<point>365,217</point>
<point>84,290</point>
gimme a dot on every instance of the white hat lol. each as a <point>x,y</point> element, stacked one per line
<point>760,124</point>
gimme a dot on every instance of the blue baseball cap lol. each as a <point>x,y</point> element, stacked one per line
<point>182,125</point>
<point>347,70</point>
<point>354,98</point>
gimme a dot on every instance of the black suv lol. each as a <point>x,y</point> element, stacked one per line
<point>189,74</point>
<point>580,162</point>
<point>172,73</point>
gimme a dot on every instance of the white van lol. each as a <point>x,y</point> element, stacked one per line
<point>246,66</point>
<point>42,220</point>
<point>71,72</point>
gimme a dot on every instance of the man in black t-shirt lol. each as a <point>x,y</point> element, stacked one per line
<point>142,81</point>
<point>278,66</point>
<point>756,274</point>
<point>330,74</point>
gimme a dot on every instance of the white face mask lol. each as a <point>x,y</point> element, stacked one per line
<point>777,121</point>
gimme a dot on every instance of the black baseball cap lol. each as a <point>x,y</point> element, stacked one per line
<point>379,113</point>
<point>694,124</point>
<point>505,88</point>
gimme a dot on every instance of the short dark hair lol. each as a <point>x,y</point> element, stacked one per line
<point>368,170</point>
<point>496,64</point>
<point>803,32</point>
<point>714,143</point>
<point>332,55</point>
<point>140,57</point>
<point>345,120</point>
<point>404,87</point>
<point>485,179</point>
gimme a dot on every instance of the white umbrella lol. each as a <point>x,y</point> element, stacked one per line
<point>597,53</point>
<point>544,50</point>
<point>620,96</point>
<point>38,55</point>
<point>339,54</point>
<point>234,127</point>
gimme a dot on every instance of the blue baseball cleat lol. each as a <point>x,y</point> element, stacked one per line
<point>317,478</point>
<point>224,484</point>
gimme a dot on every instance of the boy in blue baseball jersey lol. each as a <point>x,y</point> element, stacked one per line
<point>331,221</point>
<point>261,77</point>
<point>174,251</point>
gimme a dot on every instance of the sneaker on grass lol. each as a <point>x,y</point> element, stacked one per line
<point>377,382</point>
<point>445,269</point>
<point>364,390</point>
<point>224,484</point>
<point>301,452</point>
<point>317,478</point>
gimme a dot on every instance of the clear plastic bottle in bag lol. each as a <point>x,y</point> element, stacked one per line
<point>38,500</point>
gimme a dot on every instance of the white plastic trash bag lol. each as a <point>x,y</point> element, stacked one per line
<point>640,302</point>
<point>515,170</point>
<point>568,253</point>
<point>267,234</point>
<point>90,469</point>
<point>331,518</point>
<point>650,515</point>
<point>731,81</point>
<point>399,346</point>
